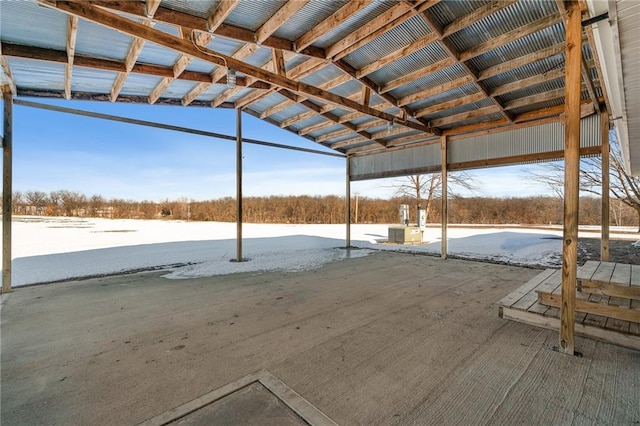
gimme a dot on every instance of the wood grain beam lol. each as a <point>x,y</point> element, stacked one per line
<point>456,118</point>
<point>511,36</point>
<point>72,32</point>
<point>151,6</point>
<point>331,22</point>
<point>528,82</point>
<point>224,9</point>
<point>521,61</point>
<point>290,8</point>
<point>132,56</point>
<point>432,91</point>
<point>397,54</point>
<point>408,78</point>
<point>454,103</point>
<point>6,69</point>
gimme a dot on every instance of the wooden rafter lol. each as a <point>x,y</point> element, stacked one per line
<point>399,53</point>
<point>6,70</point>
<point>337,18</point>
<point>278,19</point>
<point>72,32</point>
<point>150,7</point>
<point>224,9</point>
<point>521,61</point>
<point>132,56</point>
<point>429,69</point>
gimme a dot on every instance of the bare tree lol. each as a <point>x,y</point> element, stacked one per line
<point>426,188</point>
<point>37,201</point>
<point>622,185</point>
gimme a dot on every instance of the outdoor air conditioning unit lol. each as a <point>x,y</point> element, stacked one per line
<point>404,233</point>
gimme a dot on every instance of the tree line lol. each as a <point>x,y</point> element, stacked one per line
<point>318,209</point>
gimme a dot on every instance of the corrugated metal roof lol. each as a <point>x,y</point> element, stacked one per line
<point>17,16</point>
<point>37,74</point>
<point>201,8</point>
<point>432,80</point>
<point>137,85</point>
<point>426,56</point>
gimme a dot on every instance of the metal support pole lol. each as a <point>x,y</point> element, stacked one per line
<point>573,54</point>
<point>604,240</point>
<point>239,185</point>
<point>443,145</point>
<point>348,203</point>
<point>7,187</point>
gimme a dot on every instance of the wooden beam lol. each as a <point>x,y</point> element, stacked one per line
<point>102,17</point>
<point>151,6</point>
<point>411,77</point>
<point>290,8</point>
<point>572,177</point>
<point>511,36</point>
<point>278,60</point>
<point>581,305</point>
<point>397,54</point>
<point>436,90</point>
<point>521,61</point>
<point>324,27</point>
<point>132,56</point>
<point>6,70</point>
<point>528,82</point>
<point>366,96</point>
<point>224,9</point>
<point>604,220</point>
<point>7,186</point>
<point>463,116</point>
<point>444,160</point>
<point>454,103</point>
<point>347,219</point>
<point>72,32</point>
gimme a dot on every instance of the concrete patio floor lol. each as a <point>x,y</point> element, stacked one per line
<point>385,339</point>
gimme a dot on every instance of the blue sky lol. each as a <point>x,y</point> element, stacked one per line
<point>55,151</point>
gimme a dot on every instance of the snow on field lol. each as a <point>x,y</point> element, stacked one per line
<point>54,249</point>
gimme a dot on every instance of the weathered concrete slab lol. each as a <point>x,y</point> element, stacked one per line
<point>387,339</point>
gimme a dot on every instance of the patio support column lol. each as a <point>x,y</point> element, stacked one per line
<point>348,203</point>
<point>7,184</point>
<point>604,223</point>
<point>238,185</point>
<point>443,146</point>
<point>573,52</point>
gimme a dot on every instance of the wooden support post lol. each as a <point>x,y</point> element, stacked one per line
<point>573,61</point>
<point>239,185</point>
<point>348,203</point>
<point>604,239</point>
<point>444,208</point>
<point>7,187</point>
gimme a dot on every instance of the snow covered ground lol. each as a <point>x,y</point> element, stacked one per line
<point>52,249</point>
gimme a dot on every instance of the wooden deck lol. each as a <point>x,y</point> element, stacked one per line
<point>607,302</point>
